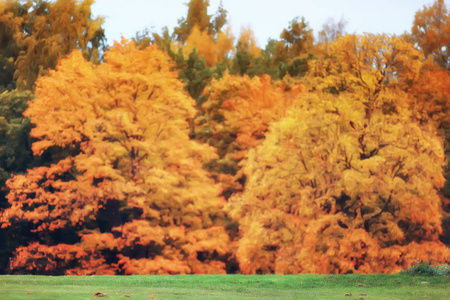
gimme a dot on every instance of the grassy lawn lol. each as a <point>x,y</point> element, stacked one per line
<point>398,286</point>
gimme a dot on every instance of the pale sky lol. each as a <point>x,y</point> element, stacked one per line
<point>267,18</point>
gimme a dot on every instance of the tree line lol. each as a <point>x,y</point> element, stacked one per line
<point>194,152</point>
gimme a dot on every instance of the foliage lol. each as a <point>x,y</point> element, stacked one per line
<point>298,37</point>
<point>8,48</point>
<point>280,58</point>
<point>199,46</point>
<point>134,190</point>
<point>235,118</point>
<point>42,32</point>
<point>294,157</point>
<point>213,50</point>
<point>331,190</point>
<point>197,16</point>
<point>365,64</point>
<point>345,182</point>
<point>15,155</point>
<point>195,73</point>
<point>432,98</point>
<point>297,67</point>
<point>15,143</point>
<point>429,270</point>
<point>430,104</point>
<point>431,32</point>
<point>247,51</point>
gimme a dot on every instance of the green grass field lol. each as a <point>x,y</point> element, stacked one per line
<point>398,286</point>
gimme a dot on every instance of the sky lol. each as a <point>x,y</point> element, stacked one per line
<point>267,18</point>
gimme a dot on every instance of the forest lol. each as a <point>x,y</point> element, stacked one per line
<point>192,151</point>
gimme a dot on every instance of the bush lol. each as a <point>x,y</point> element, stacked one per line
<point>429,270</point>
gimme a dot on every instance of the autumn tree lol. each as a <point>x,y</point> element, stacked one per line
<point>204,33</point>
<point>431,32</point>
<point>15,154</point>
<point>15,143</point>
<point>195,73</point>
<point>197,16</point>
<point>39,33</point>
<point>235,119</point>
<point>33,36</point>
<point>190,59</point>
<point>132,196</point>
<point>212,48</point>
<point>247,51</point>
<point>8,48</point>
<point>334,190</point>
<point>371,63</point>
<point>298,37</point>
<point>200,46</point>
<point>347,181</point>
<point>366,64</point>
<point>431,99</point>
<point>266,62</point>
<point>293,52</point>
<point>431,105</point>
<point>274,61</point>
<point>288,56</point>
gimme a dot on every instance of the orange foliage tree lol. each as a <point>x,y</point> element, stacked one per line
<point>131,186</point>
<point>431,98</point>
<point>347,182</point>
<point>235,118</point>
<point>431,32</point>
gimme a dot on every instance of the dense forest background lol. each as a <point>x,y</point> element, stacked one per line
<point>194,151</point>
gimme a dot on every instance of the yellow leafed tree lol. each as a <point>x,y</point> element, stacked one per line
<point>46,31</point>
<point>213,50</point>
<point>204,33</point>
<point>365,64</point>
<point>347,182</point>
<point>333,191</point>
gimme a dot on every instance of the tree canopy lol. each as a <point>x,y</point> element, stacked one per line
<point>332,190</point>
<point>125,175</point>
<point>37,34</point>
<point>190,151</point>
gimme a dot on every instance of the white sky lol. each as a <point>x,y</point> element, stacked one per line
<point>267,18</point>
